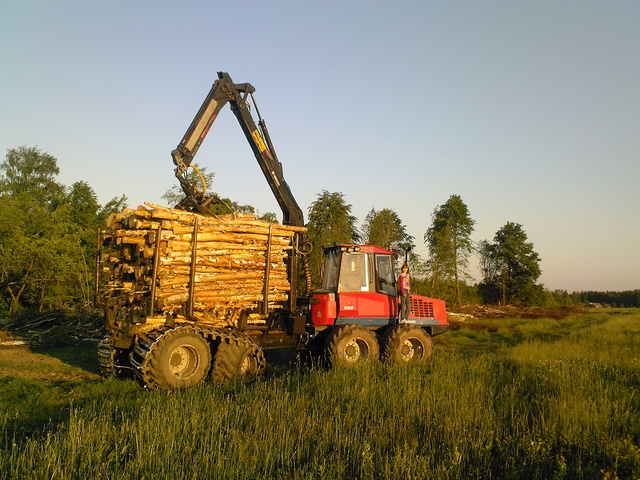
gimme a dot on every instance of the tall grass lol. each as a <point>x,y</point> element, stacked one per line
<point>533,399</point>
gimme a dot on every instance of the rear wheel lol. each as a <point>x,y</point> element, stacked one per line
<point>180,358</point>
<point>351,345</point>
<point>114,362</point>
<point>237,357</point>
<point>407,344</point>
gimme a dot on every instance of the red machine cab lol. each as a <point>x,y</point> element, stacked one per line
<point>359,287</point>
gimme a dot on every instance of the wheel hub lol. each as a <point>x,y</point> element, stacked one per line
<point>247,365</point>
<point>411,350</point>
<point>182,361</point>
<point>354,351</point>
<point>406,350</point>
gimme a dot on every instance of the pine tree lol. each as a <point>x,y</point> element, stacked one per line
<point>510,268</point>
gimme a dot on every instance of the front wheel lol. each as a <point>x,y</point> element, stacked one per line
<point>407,344</point>
<point>351,345</point>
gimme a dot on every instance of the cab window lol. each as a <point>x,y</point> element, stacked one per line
<point>330,270</point>
<point>354,273</point>
<point>385,279</point>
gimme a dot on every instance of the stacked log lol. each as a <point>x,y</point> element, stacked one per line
<point>230,261</point>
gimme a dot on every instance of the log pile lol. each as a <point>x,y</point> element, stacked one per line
<point>230,261</point>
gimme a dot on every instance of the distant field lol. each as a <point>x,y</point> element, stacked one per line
<point>508,398</point>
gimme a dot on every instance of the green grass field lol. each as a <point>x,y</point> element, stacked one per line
<point>503,399</point>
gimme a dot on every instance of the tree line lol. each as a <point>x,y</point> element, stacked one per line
<point>624,299</point>
<point>510,266</point>
<point>49,235</point>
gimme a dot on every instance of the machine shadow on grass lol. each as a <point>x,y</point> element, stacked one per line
<point>284,361</point>
<point>80,354</point>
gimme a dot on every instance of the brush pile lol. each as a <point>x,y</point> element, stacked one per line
<point>221,261</point>
<point>51,329</point>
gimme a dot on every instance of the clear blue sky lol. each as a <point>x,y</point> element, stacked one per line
<point>530,111</point>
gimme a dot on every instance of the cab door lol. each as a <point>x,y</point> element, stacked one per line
<point>385,286</point>
<point>367,290</point>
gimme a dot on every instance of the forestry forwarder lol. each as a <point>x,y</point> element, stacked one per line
<point>352,319</point>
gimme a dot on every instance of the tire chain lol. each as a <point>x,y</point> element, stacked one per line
<point>147,342</point>
<point>107,357</point>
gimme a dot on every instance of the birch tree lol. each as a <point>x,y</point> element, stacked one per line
<point>450,244</point>
<point>330,222</point>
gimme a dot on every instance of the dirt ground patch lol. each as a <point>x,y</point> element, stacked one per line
<point>8,339</point>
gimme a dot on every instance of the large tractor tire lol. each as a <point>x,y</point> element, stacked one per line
<point>237,357</point>
<point>351,345</point>
<point>172,358</point>
<point>407,344</point>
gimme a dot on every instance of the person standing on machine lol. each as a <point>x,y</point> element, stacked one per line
<point>405,299</point>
